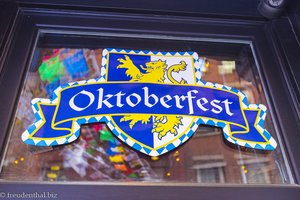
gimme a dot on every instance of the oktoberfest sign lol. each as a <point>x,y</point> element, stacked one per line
<point>152,101</point>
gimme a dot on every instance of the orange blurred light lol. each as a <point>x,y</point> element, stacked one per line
<point>154,158</point>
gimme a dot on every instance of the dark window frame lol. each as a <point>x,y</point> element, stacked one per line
<point>30,22</point>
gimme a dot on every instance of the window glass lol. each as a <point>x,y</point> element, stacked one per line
<point>210,175</point>
<point>98,156</point>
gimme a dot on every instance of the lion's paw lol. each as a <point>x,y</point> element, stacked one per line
<point>135,118</point>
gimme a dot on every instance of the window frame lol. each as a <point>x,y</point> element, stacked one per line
<point>30,22</point>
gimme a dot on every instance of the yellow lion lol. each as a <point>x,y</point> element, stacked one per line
<point>155,73</point>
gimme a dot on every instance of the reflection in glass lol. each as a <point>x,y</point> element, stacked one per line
<point>98,156</point>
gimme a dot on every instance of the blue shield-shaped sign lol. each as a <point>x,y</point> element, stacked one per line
<point>153,133</point>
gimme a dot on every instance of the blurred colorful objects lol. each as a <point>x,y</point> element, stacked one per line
<point>51,70</point>
<point>116,159</point>
<point>106,135</point>
<point>76,65</point>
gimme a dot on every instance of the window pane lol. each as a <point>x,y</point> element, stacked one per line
<point>210,175</point>
<point>98,156</point>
